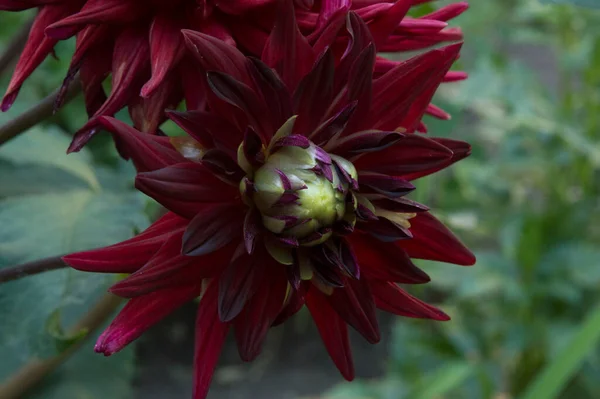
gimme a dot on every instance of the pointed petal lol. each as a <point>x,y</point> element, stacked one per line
<point>239,282</point>
<point>185,188</point>
<point>212,229</point>
<point>128,256</point>
<point>140,314</point>
<point>333,331</point>
<point>166,49</point>
<point>210,337</point>
<point>412,154</point>
<point>393,299</point>
<point>287,50</point>
<point>147,151</point>
<point>354,303</point>
<point>384,261</point>
<point>253,323</point>
<point>434,241</point>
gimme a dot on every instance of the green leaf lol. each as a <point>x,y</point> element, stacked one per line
<point>552,379</point>
<point>63,340</point>
<point>581,3</point>
<point>443,380</point>
<point>88,375</point>
<point>72,206</point>
<point>47,148</point>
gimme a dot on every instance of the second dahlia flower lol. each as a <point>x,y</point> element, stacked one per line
<point>290,192</point>
<point>140,46</point>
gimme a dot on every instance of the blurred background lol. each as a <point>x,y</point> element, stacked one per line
<point>525,319</point>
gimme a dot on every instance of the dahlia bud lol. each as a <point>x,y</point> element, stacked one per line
<point>302,192</point>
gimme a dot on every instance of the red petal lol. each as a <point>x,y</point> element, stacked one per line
<point>36,49</point>
<point>95,12</point>
<point>384,261</point>
<point>354,303</point>
<point>287,50</point>
<point>185,188</point>
<point>412,154</point>
<point>140,314</point>
<point>333,331</point>
<point>147,151</point>
<point>460,150</point>
<point>210,337</point>
<point>212,229</point>
<point>434,241</point>
<point>166,49</point>
<point>238,283</point>
<point>391,298</point>
<point>401,96</point>
<point>169,268</point>
<point>252,324</point>
<point>128,256</point>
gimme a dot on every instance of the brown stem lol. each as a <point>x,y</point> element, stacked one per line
<point>44,109</point>
<point>31,268</point>
<point>15,47</point>
<point>35,371</point>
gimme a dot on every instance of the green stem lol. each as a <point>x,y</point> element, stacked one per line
<point>31,268</point>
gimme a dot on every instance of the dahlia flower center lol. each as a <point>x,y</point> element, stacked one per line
<point>300,190</point>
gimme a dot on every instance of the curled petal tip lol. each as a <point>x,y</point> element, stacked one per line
<point>8,101</point>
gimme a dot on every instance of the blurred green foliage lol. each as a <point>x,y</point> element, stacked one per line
<point>526,318</point>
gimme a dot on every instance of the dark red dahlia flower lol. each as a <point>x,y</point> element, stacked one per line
<point>138,43</point>
<point>291,191</point>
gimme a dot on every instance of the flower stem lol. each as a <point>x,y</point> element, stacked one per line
<point>15,47</point>
<point>31,268</point>
<point>35,371</point>
<point>44,109</point>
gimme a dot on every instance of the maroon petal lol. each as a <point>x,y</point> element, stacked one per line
<point>401,96</point>
<point>207,128</point>
<point>166,49</point>
<point>410,155</point>
<point>333,331</point>
<point>287,50</point>
<point>184,188</point>
<point>242,98</point>
<point>128,256</point>
<point>314,95</point>
<point>252,228</point>
<point>391,298</point>
<point>260,312</point>
<point>95,12</point>
<point>385,24</point>
<point>273,91</point>
<point>140,314</point>
<point>434,241</point>
<point>385,230</point>
<point>214,54</point>
<point>36,49</point>
<point>169,268</point>
<point>296,302</point>
<point>210,337</point>
<point>366,141</point>
<point>238,283</point>
<point>212,229</point>
<point>390,186</point>
<point>460,150</point>
<point>334,125</point>
<point>399,205</point>
<point>148,152</point>
<point>130,59</point>
<point>355,304</point>
<point>385,262</point>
